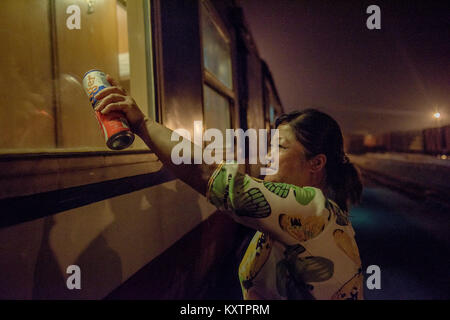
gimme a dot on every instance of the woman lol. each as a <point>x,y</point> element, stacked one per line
<point>304,247</point>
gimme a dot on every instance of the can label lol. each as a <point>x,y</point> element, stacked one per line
<point>93,82</point>
<point>114,124</point>
<point>111,123</point>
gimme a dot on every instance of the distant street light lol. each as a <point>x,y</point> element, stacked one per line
<point>437,115</point>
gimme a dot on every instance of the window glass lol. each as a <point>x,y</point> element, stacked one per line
<point>216,110</point>
<point>94,46</point>
<point>26,110</point>
<point>44,57</point>
<point>272,115</point>
<point>216,50</point>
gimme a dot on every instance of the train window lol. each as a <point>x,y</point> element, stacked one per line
<point>272,105</point>
<point>218,94</point>
<point>216,47</point>
<point>47,48</point>
<point>272,115</point>
<point>216,110</point>
<point>49,137</point>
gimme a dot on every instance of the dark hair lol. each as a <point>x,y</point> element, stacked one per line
<point>320,134</point>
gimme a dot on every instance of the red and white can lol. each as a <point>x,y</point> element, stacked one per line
<point>115,126</point>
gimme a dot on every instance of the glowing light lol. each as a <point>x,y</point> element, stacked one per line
<point>437,115</point>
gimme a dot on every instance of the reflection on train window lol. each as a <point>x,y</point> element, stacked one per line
<point>42,102</point>
<point>216,110</point>
<point>216,48</point>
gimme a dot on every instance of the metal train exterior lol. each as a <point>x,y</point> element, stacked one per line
<point>132,228</point>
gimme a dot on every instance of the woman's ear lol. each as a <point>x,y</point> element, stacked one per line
<point>318,162</point>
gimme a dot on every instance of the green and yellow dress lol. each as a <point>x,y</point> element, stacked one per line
<point>304,247</point>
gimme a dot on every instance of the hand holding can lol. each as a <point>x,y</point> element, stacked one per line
<point>116,112</point>
<point>115,98</point>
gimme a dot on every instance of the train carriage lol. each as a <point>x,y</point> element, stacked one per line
<point>66,200</point>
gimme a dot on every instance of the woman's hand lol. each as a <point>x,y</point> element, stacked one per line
<point>116,98</point>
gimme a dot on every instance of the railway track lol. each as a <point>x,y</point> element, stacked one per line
<point>416,191</point>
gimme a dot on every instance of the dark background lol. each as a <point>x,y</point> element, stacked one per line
<point>322,55</point>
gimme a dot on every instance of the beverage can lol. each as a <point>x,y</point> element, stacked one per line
<point>114,125</point>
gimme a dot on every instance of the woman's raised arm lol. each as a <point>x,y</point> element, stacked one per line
<point>286,211</point>
<point>156,136</point>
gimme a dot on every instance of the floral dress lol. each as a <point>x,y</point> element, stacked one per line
<point>304,247</point>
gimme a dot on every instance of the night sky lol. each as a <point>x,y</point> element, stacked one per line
<point>322,55</point>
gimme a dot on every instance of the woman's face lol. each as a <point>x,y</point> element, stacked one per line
<point>293,166</point>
